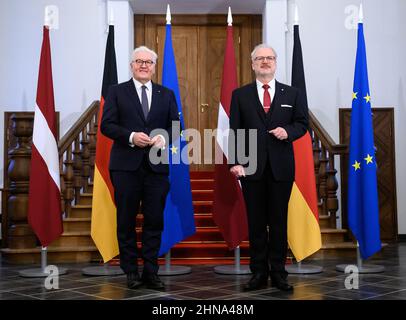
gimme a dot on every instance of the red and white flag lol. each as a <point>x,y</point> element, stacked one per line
<point>44,204</point>
<point>229,206</point>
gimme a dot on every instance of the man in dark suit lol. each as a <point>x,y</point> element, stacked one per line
<point>279,115</point>
<point>132,111</point>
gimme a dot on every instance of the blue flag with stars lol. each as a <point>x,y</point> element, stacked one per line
<point>363,212</point>
<point>179,220</point>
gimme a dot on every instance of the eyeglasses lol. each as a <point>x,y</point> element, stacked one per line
<point>262,59</point>
<point>140,62</point>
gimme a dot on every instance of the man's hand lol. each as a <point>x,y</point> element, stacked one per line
<point>279,133</point>
<point>238,171</point>
<point>140,139</point>
<point>157,142</point>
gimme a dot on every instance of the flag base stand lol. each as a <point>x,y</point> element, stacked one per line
<point>303,269</point>
<point>104,270</point>
<point>361,268</point>
<point>170,270</point>
<point>236,269</point>
<point>40,272</point>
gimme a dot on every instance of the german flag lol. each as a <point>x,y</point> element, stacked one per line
<point>104,224</point>
<point>304,234</point>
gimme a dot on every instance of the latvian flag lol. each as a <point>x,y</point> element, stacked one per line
<point>44,206</point>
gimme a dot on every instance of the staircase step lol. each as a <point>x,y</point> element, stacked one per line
<point>201,220</point>
<point>335,250</point>
<point>205,260</point>
<point>204,220</point>
<point>202,195</point>
<point>324,221</point>
<point>54,255</point>
<point>206,234</point>
<point>206,249</point>
<point>201,175</point>
<point>86,198</point>
<point>81,211</point>
<point>330,235</point>
<point>202,206</point>
<point>202,184</point>
<point>76,224</point>
<point>73,238</point>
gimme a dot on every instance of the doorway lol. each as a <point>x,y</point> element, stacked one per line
<point>199,43</point>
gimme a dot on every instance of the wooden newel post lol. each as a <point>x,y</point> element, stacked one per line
<point>20,234</point>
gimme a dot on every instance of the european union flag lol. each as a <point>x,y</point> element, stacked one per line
<point>363,213</point>
<point>179,220</point>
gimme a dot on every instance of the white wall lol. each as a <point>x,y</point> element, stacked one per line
<point>77,51</point>
<point>274,29</point>
<point>329,58</point>
<point>124,36</point>
<point>328,48</point>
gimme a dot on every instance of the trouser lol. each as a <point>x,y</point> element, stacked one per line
<point>132,189</point>
<point>267,206</point>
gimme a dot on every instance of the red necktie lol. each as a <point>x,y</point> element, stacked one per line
<point>267,98</point>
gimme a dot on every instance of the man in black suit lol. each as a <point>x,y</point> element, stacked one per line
<point>132,111</point>
<point>279,115</point>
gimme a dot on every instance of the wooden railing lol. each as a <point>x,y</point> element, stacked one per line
<point>77,150</point>
<point>324,152</point>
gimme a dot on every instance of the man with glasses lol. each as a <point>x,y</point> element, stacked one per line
<point>132,111</point>
<point>279,115</point>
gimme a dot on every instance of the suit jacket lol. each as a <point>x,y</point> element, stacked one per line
<point>123,115</point>
<point>288,110</point>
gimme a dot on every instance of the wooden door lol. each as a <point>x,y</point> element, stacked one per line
<point>199,42</point>
<point>384,139</point>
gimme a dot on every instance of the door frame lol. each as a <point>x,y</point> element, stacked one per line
<point>344,117</point>
<point>145,33</point>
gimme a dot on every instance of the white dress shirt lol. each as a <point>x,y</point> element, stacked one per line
<point>138,87</point>
<point>261,90</point>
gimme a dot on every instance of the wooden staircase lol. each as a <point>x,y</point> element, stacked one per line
<point>206,246</point>
<point>77,151</point>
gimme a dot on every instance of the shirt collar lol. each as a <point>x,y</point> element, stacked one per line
<point>138,84</point>
<point>271,84</point>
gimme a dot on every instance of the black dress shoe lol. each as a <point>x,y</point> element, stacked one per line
<point>133,280</point>
<point>258,281</point>
<point>282,284</point>
<point>152,281</point>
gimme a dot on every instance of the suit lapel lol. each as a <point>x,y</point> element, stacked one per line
<point>134,97</point>
<point>156,96</point>
<point>279,91</point>
<point>257,102</point>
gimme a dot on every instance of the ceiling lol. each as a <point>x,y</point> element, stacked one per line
<point>198,6</point>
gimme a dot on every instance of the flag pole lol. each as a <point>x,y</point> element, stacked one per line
<point>169,269</point>
<point>106,269</point>
<point>236,268</point>
<point>298,268</point>
<point>42,271</point>
<point>51,21</point>
<point>362,268</point>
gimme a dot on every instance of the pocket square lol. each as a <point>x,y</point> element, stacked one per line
<point>286,106</point>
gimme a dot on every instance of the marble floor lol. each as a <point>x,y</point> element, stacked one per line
<point>204,284</point>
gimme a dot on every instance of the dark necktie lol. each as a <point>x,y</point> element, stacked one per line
<point>267,98</point>
<point>144,101</point>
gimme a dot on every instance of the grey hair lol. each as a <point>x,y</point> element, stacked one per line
<point>144,49</point>
<point>261,46</point>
